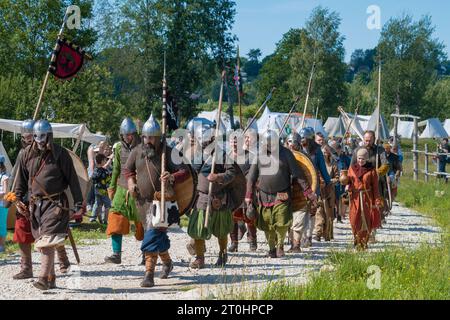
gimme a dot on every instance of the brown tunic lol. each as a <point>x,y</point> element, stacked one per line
<point>48,174</point>
<point>227,172</point>
<point>269,185</point>
<point>149,184</point>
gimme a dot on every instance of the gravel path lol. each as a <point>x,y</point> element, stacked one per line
<point>94,280</point>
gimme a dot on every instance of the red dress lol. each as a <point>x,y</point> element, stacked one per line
<point>364,196</point>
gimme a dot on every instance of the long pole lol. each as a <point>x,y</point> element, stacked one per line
<point>377,135</point>
<point>352,123</point>
<point>44,86</point>
<point>290,114</point>
<point>214,158</point>
<point>47,75</point>
<point>307,94</point>
<point>163,134</point>
<point>259,110</point>
<point>238,89</point>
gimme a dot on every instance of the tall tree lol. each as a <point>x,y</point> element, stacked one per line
<point>28,31</point>
<point>321,44</point>
<point>276,71</point>
<point>410,57</point>
<point>195,35</point>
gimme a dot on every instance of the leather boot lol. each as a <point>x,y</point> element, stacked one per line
<point>166,269</point>
<point>63,260</point>
<point>41,284</point>
<point>115,258</point>
<point>295,248</point>
<point>253,245</point>
<point>233,247</point>
<point>198,263</point>
<point>272,253</point>
<point>242,229</point>
<point>222,260</point>
<point>148,281</point>
<point>190,246</point>
<point>26,264</point>
<point>52,282</point>
<point>280,252</point>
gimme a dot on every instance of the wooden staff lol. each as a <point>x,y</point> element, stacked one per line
<point>344,114</point>
<point>44,86</point>
<point>307,94</point>
<point>241,123</point>
<point>163,141</point>
<point>377,134</point>
<point>297,100</point>
<point>214,158</point>
<point>259,110</point>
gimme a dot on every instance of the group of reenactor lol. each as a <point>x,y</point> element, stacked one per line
<point>289,189</point>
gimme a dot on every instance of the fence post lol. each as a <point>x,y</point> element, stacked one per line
<point>415,154</point>
<point>426,162</point>
<point>438,160</point>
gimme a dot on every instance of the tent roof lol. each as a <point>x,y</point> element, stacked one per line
<point>447,126</point>
<point>372,125</point>
<point>60,130</point>
<point>330,123</point>
<point>212,116</point>
<point>433,129</point>
<point>405,129</point>
<point>338,130</point>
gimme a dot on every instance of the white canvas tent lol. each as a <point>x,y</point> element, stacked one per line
<point>275,121</point>
<point>372,125</point>
<point>447,126</point>
<point>8,163</point>
<point>359,124</point>
<point>60,130</point>
<point>316,124</point>
<point>433,129</point>
<point>212,116</point>
<point>330,124</point>
<point>338,130</point>
<point>405,129</point>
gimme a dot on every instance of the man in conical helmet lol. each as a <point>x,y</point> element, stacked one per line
<point>273,179</point>
<point>22,228</point>
<point>45,171</point>
<point>143,171</point>
<point>123,209</point>
<point>220,220</point>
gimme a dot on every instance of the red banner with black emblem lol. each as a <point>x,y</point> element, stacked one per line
<point>67,61</point>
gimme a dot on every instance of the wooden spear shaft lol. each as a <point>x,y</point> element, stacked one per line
<point>307,94</point>
<point>377,135</point>
<point>259,110</point>
<point>163,156</point>
<point>289,115</point>
<point>214,157</point>
<point>44,86</point>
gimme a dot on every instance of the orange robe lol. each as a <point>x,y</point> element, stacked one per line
<point>366,180</point>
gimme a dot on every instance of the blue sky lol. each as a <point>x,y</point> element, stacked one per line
<point>262,23</point>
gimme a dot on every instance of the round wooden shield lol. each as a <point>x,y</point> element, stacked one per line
<point>83,178</point>
<point>186,191</point>
<point>305,163</point>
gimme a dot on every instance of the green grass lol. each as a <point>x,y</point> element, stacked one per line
<point>405,274</point>
<point>421,273</point>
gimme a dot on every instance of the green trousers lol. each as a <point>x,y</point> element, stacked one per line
<point>275,222</point>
